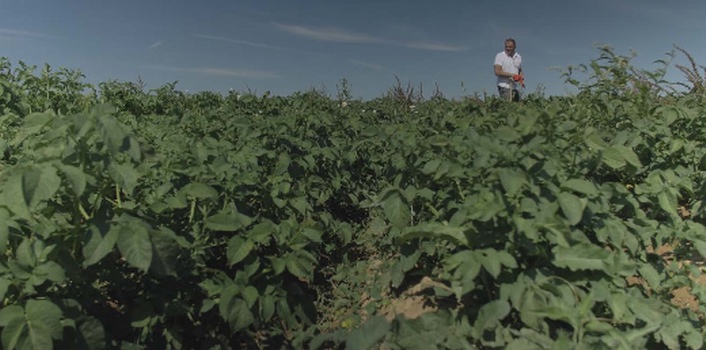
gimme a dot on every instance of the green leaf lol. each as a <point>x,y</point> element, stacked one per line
<point>31,125</point>
<point>262,232</point>
<point>299,265</point>
<point>4,229</point>
<point>636,333</point>
<point>670,334</point>
<point>490,261</point>
<point>572,207</point>
<point>25,255</point>
<point>668,202</point>
<point>312,233</point>
<point>396,275</point>
<point>13,196</point>
<point>694,340</point>
<point>599,327</point>
<point>507,259</point>
<point>488,316</point>
<point>368,334</point>
<point>628,155</point>
<point>114,135</point>
<point>438,140</point>
<point>10,313</point>
<point>44,321</point>
<point>700,247</point>
<point>651,276</point>
<point>13,333</point>
<point>200,191</point>
<point>50,270</point>
<point>511,180</point>
<point>529,339</point>
<point>409,258</point>
<point>165,252</point>
<point>507,133</point>
<point>250,294</point>
<point>91,333</point>
<point>466,269</point>
<point>99,246</point>
<point>176,202</point>
<point>581,186</point>
<point>526,124</point>
<point>595,141</point>
<point>396,208</point>
<point>431,166</point>
<point>613,158</point>
<point>4,286</point>
<point>39,184</point>
<point>227,222</point>
<point>300,204</point>
<point>582,256</point>
<point>34,327</point>
<point>267,310</point>
<point>278,265</point>
<point>428,331</point>
<point>238,249</point>
<point>236,312</point>
<point>559,313</point>
<point>436,230</point>
<point>135,245</point>
<point>143,315</point>
<point>676,145</point>
<point>75,177</point>
<point>618,305</point>
<point>125,175</point>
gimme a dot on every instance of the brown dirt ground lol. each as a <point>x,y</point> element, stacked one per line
<point>682,296</point>
<point>412,303</point>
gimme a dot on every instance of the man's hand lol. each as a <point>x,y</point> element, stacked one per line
<point>519,78</point>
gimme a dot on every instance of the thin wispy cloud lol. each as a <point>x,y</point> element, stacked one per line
<point>434,46</point>
<point>19,33</point>
<point>336,35</point>
<point>237,41</point>
<point>328,34</point>
<point>429,46</point>
<point>255,44</point>
<point>366,64</point>
<point>155,45</point>
<point>222,72</point>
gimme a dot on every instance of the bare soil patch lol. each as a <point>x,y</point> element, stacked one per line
<point>681,297</point>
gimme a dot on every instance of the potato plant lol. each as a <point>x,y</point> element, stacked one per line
<point>159,219</point>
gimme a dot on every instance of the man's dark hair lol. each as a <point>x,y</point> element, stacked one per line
<point>512,40</point>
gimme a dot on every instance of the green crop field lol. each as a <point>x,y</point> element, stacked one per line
<point>133,219</point>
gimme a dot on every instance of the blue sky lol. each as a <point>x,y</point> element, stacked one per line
<point>288,46</point>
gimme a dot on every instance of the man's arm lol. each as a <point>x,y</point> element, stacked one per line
<point>499,72</point>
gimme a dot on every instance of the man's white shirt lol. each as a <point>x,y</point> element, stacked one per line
<point>509,64</point>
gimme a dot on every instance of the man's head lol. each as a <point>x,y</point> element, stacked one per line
<point>510,46</point>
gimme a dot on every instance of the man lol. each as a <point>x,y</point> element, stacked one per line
<point>508,69</point>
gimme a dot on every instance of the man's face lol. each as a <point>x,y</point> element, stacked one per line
<point>509,48</point>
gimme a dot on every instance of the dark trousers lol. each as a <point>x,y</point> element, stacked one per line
<point>505,93</point>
